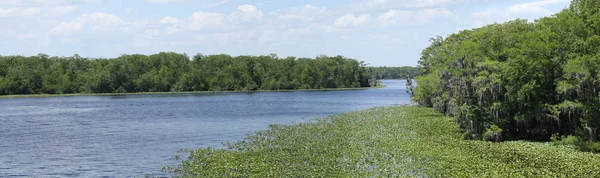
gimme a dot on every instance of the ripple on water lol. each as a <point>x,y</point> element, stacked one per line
<point>42,111</point>
<point>134,135</point>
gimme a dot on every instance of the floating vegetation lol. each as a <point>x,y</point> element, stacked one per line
<point>383,142</point>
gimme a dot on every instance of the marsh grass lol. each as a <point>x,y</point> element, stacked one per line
<point>401,141</point>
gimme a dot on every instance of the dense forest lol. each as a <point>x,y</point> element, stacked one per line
<point>520,80</point>
<point>393,72</point>
<point>166,72</point>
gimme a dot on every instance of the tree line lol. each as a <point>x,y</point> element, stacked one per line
<point>386,72</point>
<point>520,80</point>
<point>167,71</point>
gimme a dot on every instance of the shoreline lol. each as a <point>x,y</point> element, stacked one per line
<point>175,93</point>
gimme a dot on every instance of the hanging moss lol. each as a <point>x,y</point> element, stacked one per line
<point>530,79</point>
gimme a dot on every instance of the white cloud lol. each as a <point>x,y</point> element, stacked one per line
<point>350,20</point>
<point>64,9</point>
<point>310,29</point>
<point>232,36</point>
<point>154,32</point>
<point>132,11</point>
<point>162,1</point>
<point>200,20</point>
<point>169,20</point>
<point>535,8</point>
<point>68,40</point>
<point>410,17</point>
<point>249,28</point>
<point>249,24</point>
<point>487,13</point>
<point>19,12</point>
<point>215,3</point>
<point>171,30</point>
<point>308,13</point>
<point>95,22</point>
<point>379,5</point>
<point>36,11</point>
<point>243,17</point>
<point>49,3</point>
<point>17,34</point>
<point>66,28</point>
<point>530,10</point>
<point>247,12</point>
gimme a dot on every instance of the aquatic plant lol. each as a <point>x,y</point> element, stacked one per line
<point>403,141</point>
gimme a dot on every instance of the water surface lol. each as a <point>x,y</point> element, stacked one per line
<point>133,135</point>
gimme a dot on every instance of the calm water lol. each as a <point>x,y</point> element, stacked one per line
<point>122,136</point>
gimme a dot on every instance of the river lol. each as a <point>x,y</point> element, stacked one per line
<point>134,135</point>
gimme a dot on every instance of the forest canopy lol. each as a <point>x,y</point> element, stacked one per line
<point>386,72</point>
<point>520,80</point>
<point>167,71</point>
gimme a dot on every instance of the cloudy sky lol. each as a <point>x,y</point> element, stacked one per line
<point>380,32</point>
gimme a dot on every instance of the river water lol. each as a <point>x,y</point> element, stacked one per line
<point>134,135</point>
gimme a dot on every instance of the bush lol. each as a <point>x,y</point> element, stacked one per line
<point>493,133</point>
<point>576,142</point>
<point>568,140</point>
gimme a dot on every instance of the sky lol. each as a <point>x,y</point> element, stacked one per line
<point>379,32</point>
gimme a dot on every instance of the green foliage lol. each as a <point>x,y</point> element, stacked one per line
<point>577,142</point>
<point>382,142</point>
<point>592,146</point>
<point>393,72</point>
<point>169,72</point>
<point>493,133</point>
<point>428,88</point>
<point>565,140</point>
<point>532,80</point>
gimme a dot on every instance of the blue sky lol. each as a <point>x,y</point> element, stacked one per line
<point>380,32</point>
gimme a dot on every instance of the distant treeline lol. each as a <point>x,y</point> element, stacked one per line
<point>520,80</point>
<point>166,72</point>
<point>393,72</point>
